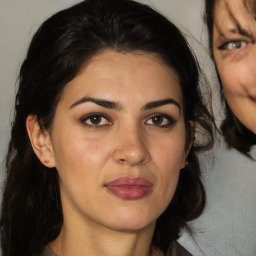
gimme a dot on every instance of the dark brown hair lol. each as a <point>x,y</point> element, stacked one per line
<point>234,132</point>
<point>31,213</point>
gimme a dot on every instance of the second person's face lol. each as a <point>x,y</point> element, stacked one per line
<point>234,48</point>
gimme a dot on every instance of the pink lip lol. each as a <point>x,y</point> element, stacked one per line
<point>128,188</point>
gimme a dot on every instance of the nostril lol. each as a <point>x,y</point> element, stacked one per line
<point>121,161</point>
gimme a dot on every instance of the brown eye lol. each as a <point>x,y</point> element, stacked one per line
<point>96,120</point>
<point>157,120</point>
<point>160,120</point>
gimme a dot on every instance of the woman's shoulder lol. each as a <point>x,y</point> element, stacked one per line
<point>177,250</point>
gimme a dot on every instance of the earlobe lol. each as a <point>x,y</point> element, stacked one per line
<point>40,141</point>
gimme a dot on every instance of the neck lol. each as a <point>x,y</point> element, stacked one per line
<point>98,241</point>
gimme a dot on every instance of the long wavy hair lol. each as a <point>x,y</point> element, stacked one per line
<point>234,132</point>
<point>31,214</point>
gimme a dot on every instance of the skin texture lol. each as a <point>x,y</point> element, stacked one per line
<point>130,139</point>
<point>234,49</point>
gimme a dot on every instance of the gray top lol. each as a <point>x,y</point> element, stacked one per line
<point>48,252</point>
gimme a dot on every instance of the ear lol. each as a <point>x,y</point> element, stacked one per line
<point>40,141</point>
<point>190,142</point>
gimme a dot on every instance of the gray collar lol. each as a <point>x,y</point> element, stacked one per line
<point>48,251</point>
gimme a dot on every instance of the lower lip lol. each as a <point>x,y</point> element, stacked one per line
<point>128,188</point>
<point>130,192</point>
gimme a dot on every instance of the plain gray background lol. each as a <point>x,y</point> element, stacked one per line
<point>228,226</point>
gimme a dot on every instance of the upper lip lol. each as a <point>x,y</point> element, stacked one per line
<point>129,182</point>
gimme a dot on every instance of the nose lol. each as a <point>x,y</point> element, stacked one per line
<point>131,149</point>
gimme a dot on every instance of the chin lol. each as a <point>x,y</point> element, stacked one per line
<point>132,221</point>
<point>132,227</point>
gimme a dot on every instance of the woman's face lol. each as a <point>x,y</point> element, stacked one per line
<point>234,48</point>
<point>118,141</point>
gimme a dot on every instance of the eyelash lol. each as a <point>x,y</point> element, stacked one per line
<point>169,121</point>
<point>89,117</point>
<point>226,45</point>
<point>165,120</point>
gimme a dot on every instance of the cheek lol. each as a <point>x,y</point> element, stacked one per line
<point>170,156</point>
<point>229,81</point>
<point>170,162</point>
<point>79,166</point>
<point>238,78</point>
<point>76,156</point>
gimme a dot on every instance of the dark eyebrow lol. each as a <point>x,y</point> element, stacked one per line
<point>242,31</point>
<point>100,102</point>
<point>238,29</point>
<point>159,103</point>
<point>117,106</point>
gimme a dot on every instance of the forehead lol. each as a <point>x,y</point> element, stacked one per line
<point>110,63</point>
<point>233,9</point>
<point>233,15</point>
<point>112,74</point>
<point>248,4</point>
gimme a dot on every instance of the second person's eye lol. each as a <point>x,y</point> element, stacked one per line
<point>233,45</point>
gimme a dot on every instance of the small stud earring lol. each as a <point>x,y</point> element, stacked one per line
<point>46,161</point>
